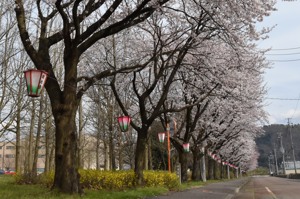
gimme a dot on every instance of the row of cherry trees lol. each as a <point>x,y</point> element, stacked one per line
<point>194,61</point>
<point>207,73</point>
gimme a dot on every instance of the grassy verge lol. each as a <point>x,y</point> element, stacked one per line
<point>192,184</point>
<point>9,190</point>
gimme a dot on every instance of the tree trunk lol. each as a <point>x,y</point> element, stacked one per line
<point>51,158</point>
<point>98,152</point>
<point>18,130</point>
<point>29,154</point>
<point>47,143</point>
<point>203,168</point>
<point>112,152</point>
<point>146,156</point>
<point>18,144</point>
<point>196,173</point>
<point>140,155</point>
<point>211,163</point>
<point>37,139</point>
<point>98,140</point>
<point>228,172</point>
<point>221,170</point>
<point>106,158</point>
<point>120,158</point>
<point>80,136</point>
<point>150,163</point>
<point>216,170</point>
<point>184,166</point>
<point>66,151</point>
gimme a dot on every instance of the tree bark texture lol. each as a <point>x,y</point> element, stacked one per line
<point>211,163</point>
<point>228,172</point>
<point>30,141</point>
<point>140,156</point>
<point>203,168</point>
<point>184,166</point>
<point>221,171</point>
<point>37,138</point>
<point>66,169</point>
<point>196,173</point>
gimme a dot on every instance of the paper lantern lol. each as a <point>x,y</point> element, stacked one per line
<point>35,81</point>
<point>186,147</point>
<point>124,122</point>
<point>161,137</point>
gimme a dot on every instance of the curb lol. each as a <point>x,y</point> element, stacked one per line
<point>237,190</point>
<point>246,181</point>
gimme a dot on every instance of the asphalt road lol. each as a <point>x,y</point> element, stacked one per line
<point>222,190</point>
<point>258,187</point>
<point>267,187</point>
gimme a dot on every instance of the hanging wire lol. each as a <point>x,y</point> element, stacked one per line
<point>287,60</point>
<point>283,99</point>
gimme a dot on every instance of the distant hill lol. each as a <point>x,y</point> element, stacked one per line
<point>268,143</point>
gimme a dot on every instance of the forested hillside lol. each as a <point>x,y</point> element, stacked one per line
<point>269,143</point>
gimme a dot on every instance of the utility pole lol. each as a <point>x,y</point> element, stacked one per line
<point>271,165</point>
<point>282,151</point>
<point>275,156</point>
<point>292,145</point>
<point>169,144</point>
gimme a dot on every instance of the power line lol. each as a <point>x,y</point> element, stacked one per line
<point>287,60</point>
<point>277,49</point>
<point>283,99</point>
<point>283,54</point>
<point>280,49</point>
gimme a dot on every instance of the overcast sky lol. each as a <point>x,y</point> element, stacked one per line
<point>283,79</point>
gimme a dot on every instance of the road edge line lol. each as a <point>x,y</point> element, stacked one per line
<point>237,190</point>
<point>270,192</point>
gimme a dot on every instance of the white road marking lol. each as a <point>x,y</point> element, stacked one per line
<point>273,195</point>
<point>229,196</point>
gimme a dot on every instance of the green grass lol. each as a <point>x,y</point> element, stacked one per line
<point>259,171</point>
<point>10,190</point>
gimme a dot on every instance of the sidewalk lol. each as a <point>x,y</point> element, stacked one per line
<point>221,190</point>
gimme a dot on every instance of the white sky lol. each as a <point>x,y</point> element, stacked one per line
<point>283,79</point>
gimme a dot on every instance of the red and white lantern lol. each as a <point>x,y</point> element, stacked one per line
<point>35,81</point>
<point>124,122</point>
<point>161,137</point>
<point>186,147</point>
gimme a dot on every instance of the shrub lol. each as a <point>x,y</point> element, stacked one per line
<point>120,180</point>
<point>29,178</point>
<point>161,178</point>
<point>294,176</point>
<point>259,171</point>
<point>26,178</point>
<point>47,179</point>
<point>111,180</point>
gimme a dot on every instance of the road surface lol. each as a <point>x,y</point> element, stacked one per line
<point>221,190</point>
<point>266,187</point>
<point>257,187</point>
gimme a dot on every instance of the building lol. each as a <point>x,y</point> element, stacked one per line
<point>290,168</point>
<point>94,155</point>
<point>8,156</point>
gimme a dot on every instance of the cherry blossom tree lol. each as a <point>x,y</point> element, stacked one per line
<point>78,25</point>
<point>166,34</point>
<point>157,89</point>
